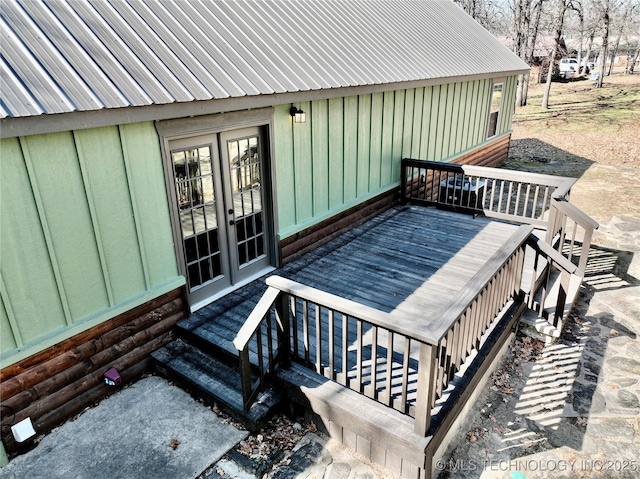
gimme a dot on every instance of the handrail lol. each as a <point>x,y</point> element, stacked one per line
<point>392,322</point>
<point>460,302</point>
<point>516,196</point>
<point>576,214</point>
<point>499,174</point>
<point>255,318</point>
<point>563,190</point>
<point>552,254</point>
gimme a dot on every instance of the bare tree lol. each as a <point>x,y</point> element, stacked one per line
<point>605,6</point>
<point>562,9</point>
<point>526,22</point>
<point>628,13</point>
<point>631,60</point>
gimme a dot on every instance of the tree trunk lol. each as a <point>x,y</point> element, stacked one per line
<point>632,61</point>
<point>602,59</point>
<point>589,46</point>
<point>552,60</point>
<point>523,84</point>
<point>581,67</point>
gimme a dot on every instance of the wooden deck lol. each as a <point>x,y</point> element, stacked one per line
<point>409,309</point>
<point>408,261</point>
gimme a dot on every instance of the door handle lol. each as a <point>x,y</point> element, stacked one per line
<point>232,222</point>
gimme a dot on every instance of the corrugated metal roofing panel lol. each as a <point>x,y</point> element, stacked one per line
<point>35,78</point>
<point>101,58</point>
<point>113,53</point>
<point>16,99</point>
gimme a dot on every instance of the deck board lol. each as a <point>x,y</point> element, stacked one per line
<point>409,259</point>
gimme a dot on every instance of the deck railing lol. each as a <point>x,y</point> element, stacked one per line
<point>403,362</point>
<point>497,193</point>
<point>520,197</point>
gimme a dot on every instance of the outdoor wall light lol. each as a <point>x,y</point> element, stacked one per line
<point>298,115</point>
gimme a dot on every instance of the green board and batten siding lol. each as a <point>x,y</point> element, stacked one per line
<point>85,228</point>
<point>85,232</point>
<point>349,149</point>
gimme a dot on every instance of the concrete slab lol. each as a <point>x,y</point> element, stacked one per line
<point>148,430</point>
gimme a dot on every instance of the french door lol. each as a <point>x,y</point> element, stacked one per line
<point>220,216</point>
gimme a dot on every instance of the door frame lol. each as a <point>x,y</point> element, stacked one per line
<point>170,130</point>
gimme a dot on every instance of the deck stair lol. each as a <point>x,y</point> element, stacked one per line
<point>537,321</point>
<point>206,364</point>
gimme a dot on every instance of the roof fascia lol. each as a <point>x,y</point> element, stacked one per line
<point>77,120</point>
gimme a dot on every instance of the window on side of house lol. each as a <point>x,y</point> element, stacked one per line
<point>494,112</point>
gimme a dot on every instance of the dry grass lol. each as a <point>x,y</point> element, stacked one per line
<point>589,133</point>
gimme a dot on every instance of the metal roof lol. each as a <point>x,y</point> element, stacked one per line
<point>61,56</point>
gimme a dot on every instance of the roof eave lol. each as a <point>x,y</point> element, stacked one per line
<point>76,120</point>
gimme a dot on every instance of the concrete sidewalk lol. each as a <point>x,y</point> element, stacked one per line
<point>150,429</point>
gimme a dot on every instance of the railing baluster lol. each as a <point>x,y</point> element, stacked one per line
<point>517,205</point>
<point>260,354</point>
<point>359,346</point>
<point>331,337</point>
<point>374,361</point>
<point>500,196</point>
<point>318,341</point>
<point>389,377</point>
<point>405,374</point>
<point>295,326</point>
<point>305,331</point>
<point>269,341</point>
<point>527,199</point>
<point>245,374</point>
<point>345,349</point>
<point>284,329</point>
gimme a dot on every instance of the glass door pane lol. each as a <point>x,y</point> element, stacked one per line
<point>196,197</point>
<point>245,165</point>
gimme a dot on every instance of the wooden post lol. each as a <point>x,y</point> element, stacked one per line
<point>284,330</point>
<point>245,374</point>
<point>426,388</point>
<point>403,182</point>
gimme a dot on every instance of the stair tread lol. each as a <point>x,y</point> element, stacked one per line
<point>213,378</point>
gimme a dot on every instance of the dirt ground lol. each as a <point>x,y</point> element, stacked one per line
<point>587,133</point>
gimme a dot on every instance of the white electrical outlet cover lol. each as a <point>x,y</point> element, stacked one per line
<point>23,430</point>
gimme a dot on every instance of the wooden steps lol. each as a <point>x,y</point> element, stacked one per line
<point>214,381</point>
<point>539,326</point>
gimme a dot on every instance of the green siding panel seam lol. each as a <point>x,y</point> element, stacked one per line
<point>424,129</point>
<point>15,330</point>
<point>476,107</point>
<point>46,232</point>
<point>94,220</point>
<point>459,110</point>
<point>134,207</point>
<point>418,118</point>
<point>470,108</point>
<point>433,122</point>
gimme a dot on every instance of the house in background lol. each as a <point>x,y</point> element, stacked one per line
<point>156,156</point>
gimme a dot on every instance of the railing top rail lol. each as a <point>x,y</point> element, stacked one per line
<point>563,184</point>
<point>395,323</point>
<point>437,328</point>
<point>576,214</point>
<point>552,254</point>
<point>253,321</point>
